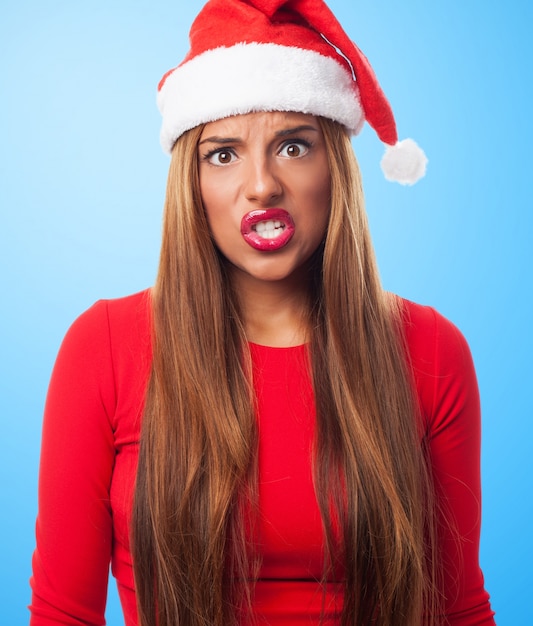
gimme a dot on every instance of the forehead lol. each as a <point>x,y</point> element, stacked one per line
<point>238,125</point>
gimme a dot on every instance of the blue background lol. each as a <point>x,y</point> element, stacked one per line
<point>81,190</point>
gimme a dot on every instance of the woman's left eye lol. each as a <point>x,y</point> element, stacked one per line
<point>294,149</point>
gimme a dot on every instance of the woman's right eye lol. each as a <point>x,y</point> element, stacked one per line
<point>220,156</point>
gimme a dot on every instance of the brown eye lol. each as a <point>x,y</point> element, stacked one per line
<point>224,157</point>
<point>293,150</point>
<point>221,156</point>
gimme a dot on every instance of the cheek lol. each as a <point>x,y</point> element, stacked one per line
<point>320,199</point>
<point>218,195</point>
<point>207,195</point>
<point>216,222</point>
<point>213,203</point>
<point>218,218</point>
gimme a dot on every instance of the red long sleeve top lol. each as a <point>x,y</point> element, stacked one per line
<point>89,458</point>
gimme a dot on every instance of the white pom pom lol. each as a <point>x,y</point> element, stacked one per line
<point>404,163</point>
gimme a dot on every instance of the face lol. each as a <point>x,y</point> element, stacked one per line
<point>265,186</point>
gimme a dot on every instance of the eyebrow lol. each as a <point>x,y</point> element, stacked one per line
<point>280,133</point>
<point>296,129</point>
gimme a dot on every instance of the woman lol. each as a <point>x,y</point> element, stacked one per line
<point>266,436</point>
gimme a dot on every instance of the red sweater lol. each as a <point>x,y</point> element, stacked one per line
<point>90,448</point>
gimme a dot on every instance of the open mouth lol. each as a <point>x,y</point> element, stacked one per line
<point>267,229</point>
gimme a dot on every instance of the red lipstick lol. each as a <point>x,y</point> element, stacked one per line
<point>267,229</point>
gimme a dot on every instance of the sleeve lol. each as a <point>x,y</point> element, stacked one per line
<point>454,438</point>
<point>74,522</point>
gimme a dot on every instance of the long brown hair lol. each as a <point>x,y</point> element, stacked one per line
<point>195,489</point>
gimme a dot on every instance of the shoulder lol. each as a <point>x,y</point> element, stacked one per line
<point>105,356</point>
<point>431,337</point>
<point>113,320</point>
<point>441,361</point>
<point>120,312</point>
<point>110,336</point>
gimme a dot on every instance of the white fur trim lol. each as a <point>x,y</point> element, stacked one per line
<point>404,163</point>
<point>256,77</point>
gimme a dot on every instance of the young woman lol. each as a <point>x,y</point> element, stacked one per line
<point>266,436</point>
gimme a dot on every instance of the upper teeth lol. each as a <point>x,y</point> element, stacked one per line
<point>269,229</point>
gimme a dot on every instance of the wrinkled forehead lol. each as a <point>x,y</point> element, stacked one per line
<point>237,125</point>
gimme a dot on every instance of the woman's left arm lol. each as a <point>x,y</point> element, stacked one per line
<point>450,400</point>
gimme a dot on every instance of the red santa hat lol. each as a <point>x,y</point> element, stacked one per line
<point>280,55</point>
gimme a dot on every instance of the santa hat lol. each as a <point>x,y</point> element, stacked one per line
<point>280,55</point>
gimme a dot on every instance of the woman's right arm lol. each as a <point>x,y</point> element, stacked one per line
<point>74,522</point>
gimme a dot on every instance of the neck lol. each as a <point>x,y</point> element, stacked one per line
<point>274,313</point>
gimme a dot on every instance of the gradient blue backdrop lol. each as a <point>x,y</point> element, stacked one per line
<point>81,189</point>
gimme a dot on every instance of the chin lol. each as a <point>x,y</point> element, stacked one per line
<point>273,271</point>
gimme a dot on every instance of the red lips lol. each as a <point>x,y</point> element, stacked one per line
<point>267,229</point>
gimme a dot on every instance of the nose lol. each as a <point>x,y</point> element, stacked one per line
<point>262,184</point>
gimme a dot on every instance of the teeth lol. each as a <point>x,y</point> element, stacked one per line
<point>269,229</point>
